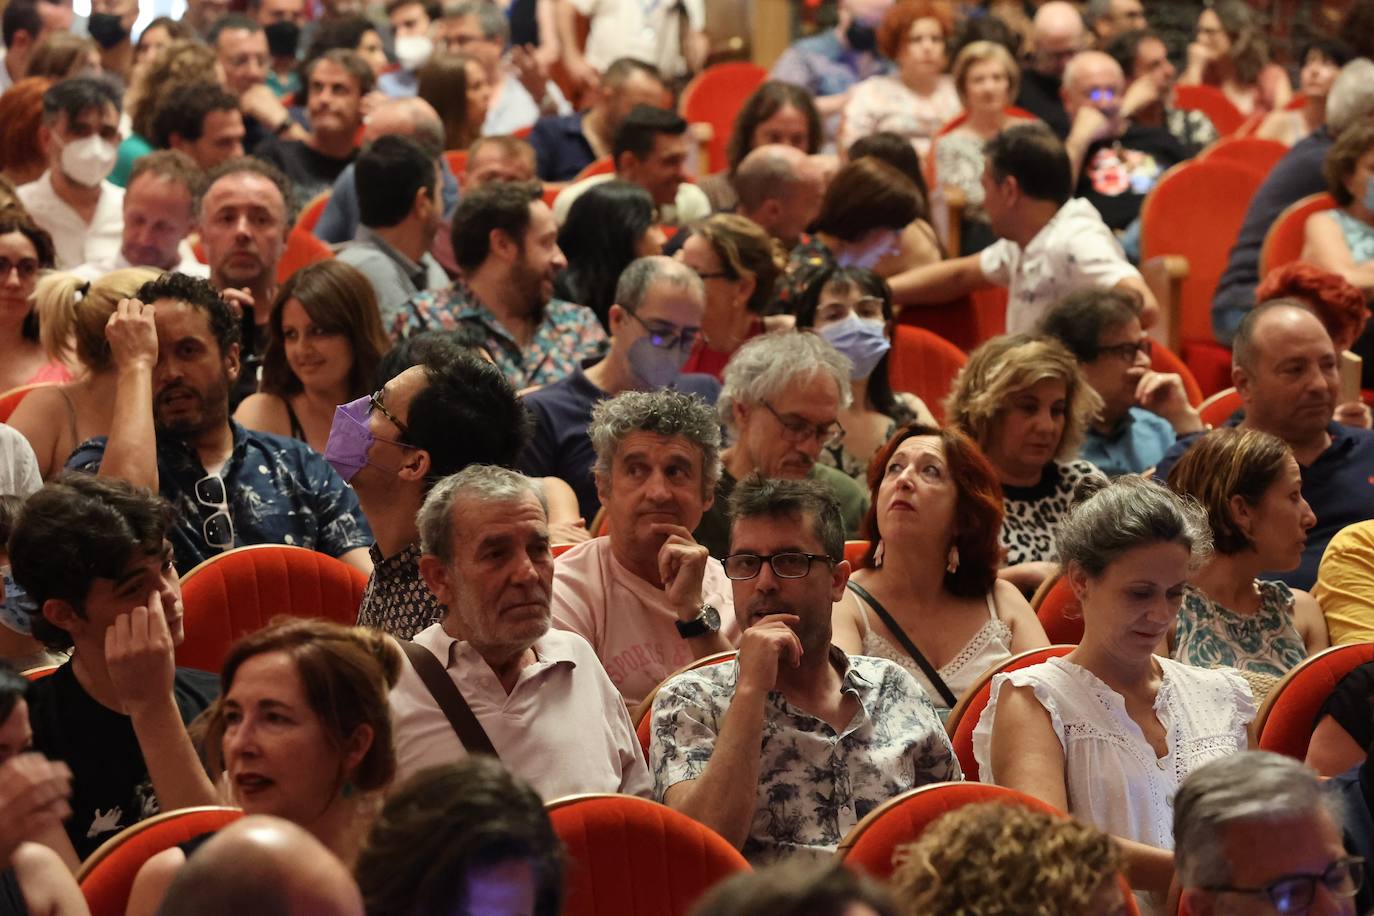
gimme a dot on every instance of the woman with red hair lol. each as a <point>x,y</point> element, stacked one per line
<point>928,596</point>
<point>21,112</point>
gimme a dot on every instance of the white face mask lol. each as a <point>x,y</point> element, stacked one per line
<point>413,51</point>
<point>88,161</point>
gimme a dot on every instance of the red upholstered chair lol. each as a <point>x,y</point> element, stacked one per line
<point>1166,360</point>
<point>457,160</point>
<point>37,674</point>
<point>241,590</point>
<point>312,211</point>
<point>1054,603</point>
<point>628,855</point>
<point>854,552</point>
<point>302,250</point>
<point>108,875</point>
<point>956,321</point>
<point>9,400</point>
<point>924,364</point>
<point>1249,151</point>
<point>1212,102</point>
<point>560,549</point>
<point>1285,721</point>
<point>715,96</point>
<point>1283,242</point>
<point>1218,408</point>
<point>963,718</point>
<point>640,714</point>
<point>603,166</point>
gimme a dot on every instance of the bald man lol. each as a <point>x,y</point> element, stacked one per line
<point>1057,34</point>
<point>265,866</point>
<point>780,188</point>
<point>1116,162</point>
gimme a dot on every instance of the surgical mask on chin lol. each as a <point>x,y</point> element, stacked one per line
<point>413,51</point>
<point>656,367</point>
<point>18,609</point>
<point>870,254</point>
<point>861,340</point>
<point>88,161</point>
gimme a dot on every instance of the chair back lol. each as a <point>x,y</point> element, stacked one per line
<point>963,718</point>
<point>302,250</point>
<point>1248,151</point>
<point>1288,715</point>
<point>715,97</point>
<point>9,400</point>
<point>1165,360</point>
<point>1284,240</point>
<point>854,552</point>
<point>107,876</point>
<point>1212,102</point>
<point>640,714</point>
<point>457,160</point>
<point>955,321</point>
<point>1217,409</point>
<point>310,214</point>
<point>37,674</point>
<point>1054,603</point>
<point>241,590</point>
<point>603,166</point>
<point>628,855</point>
<point>924,364</point>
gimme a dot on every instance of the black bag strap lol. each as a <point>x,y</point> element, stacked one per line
<point>450,699</point>
<point>931,674</point>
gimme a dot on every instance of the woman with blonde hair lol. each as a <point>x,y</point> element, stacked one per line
<point>62,54</point>
<point>1022,399</point>
<point>72,314</point>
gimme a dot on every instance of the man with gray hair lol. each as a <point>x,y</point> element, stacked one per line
<point>646,595</point>
<point>780,188</point>
<point>1110,18</point>
<point>656,319</point>
<point>781,401</point>
<point>542,702</point>
<point>1228,815</point>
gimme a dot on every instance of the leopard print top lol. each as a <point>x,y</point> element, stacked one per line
<point>1033,513</point>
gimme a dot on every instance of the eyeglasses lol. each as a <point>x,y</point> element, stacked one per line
<point>218,529</point>
<point>1128,351</point>
<point>27,268</point>
<point>1294,893</point>
<point>682,338</point>
<point>1101,95</point>
<point>784,565</point>
<point>796,430</point>
<point>375,403</point>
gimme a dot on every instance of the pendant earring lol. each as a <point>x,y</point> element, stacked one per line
<point>953,564</point>
<point>878,556</point>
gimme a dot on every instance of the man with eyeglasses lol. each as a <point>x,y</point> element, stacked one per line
<point>1254,834</point>
<point>657,318</point>
<point>176,354</point>
<point>781,401</point>
<point>784,749</point>
<point>1143,411</point>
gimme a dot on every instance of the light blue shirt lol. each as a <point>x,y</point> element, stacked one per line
<point>1137,443</point>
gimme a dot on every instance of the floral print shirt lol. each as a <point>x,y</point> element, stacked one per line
<point>397,600</point>
<point>1266,642</point>
<point>568,336</point>
<point>814,784</point>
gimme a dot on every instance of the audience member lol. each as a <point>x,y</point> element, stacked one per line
<point>781,404</point>
<point>1058,34</point>
<point>918,98</point>
<point>506,242</point>
<point>646,596</point>
<point>1319,63</point>
<point>400,210</point>
<point>918,242</point>
<point>1227,816</point>
<point>486,558</point>
<point>830,63</point>
<point>1150,77</point>
<point>1284,368</point>
<point>780,188</point>
<point>62,55</point>
<point>351,31</point>
<point>608,227</point>
<point>939,611</point>
<point>1296,176</point>
<point>159,213</point>
<point>176,358</point>
<point>19,648</point>
<point>999,857</point>
<point>110,25</point>
<point>775,114</point>
<point>179,64</point>
<point>25,249</point>
<point>73,314</point>
<point>1142,411</point>
<point>202,121</point>
<point>455,85</point>
<point>1024,402</point>
<point>157,35</point>
<point>796,889</point>
<point>1108,731</point>
<point>466,837</point>
<point>201,15</point>
<point>1344,725</point>
<point>302,731</point>
<point>672,39</point>
<point>1345,584</point>
<point>21,29</point>
<point>656,319</point>
<point>33,804</point>
<point>745,746</point>
<point>241,46</point>
<point>324,343</point>
<point>1341,240</point>
<point>1231,53</point>
<point>1049,245</point>
<point>22,157</point>
<point>500,158</point>
<point>282,22</point>
<point>851,308</point>
<point>1109,19</point>
<point>411,22</point>
<point>94,558</point>
<point>72,200</point>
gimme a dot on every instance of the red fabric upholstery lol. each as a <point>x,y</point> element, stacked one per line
<point>9,400</point>
<point>715,96</point>
<point>1212,102</point>
<point>1210,363</point>
<point>457,160</point>
<point>603,166</point>
<point>924,364</point>
<point>1289,714</point>
<point>1165,360</point>
<point>956,322</point>
<point>1248,151</point>
<point>1218,408</point>
<point>1283,242</point>
<point>312,211</point>
<point>854,552</point>
<point>302,250</point>
<point>37,674</point>
<point>1059,613</point>
<point>627,855</point>
<point>108,875</point>
<point>241,590</point>
<point>961,729</point>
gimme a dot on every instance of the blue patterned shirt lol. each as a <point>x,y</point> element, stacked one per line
<point>814,784</point>
<point>279,492</point>
<point>568,336</point>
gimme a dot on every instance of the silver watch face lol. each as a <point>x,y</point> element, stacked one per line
<point>710,617</point>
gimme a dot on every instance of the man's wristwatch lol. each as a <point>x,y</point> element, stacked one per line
<point>706,622</point>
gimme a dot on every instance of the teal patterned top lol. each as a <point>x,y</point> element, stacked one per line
<point>1211,636</point>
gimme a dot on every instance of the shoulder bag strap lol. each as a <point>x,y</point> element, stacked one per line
<point>449,698</point>
<point>931,674</point>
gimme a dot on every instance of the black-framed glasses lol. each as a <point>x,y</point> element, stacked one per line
<point>1129,350</point>
<point>1294,893</point>
<point>28,268</point>
<point>785,565</point>
<point>796,430</point>
<point>375,403</point>
<point>218,529</point>
<point>682,338</point>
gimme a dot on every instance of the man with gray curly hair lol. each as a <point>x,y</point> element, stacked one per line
<point>781,402</point>
<point>647,596</point>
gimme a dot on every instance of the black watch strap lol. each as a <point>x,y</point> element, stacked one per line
<point>705,623</point>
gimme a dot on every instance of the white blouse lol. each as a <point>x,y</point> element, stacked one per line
<point>1114,780</point>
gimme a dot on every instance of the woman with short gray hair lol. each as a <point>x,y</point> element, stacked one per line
<point>1110,730</point>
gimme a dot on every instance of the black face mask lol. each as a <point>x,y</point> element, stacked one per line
<point>107,29</point>
<point>861,36</point>
<point>283,38</point>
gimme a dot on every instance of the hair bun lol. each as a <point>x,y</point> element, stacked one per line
<point>1089,487</point>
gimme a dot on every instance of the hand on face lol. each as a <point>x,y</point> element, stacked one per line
<point>681,566</point>
<point>139,653</point>
<point>764,647</point>
<point>1162,393</point>
<point>33,797</point>
<point>132,335</point>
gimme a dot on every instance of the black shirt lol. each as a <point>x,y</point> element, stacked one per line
<point>1117,174</point>
<point>311,172</point>
<point>1040,96</point>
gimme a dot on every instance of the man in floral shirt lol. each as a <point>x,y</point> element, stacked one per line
<point>505,241</point>
<point>785,749</point>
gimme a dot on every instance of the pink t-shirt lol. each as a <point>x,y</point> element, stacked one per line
<point>639,646</point>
